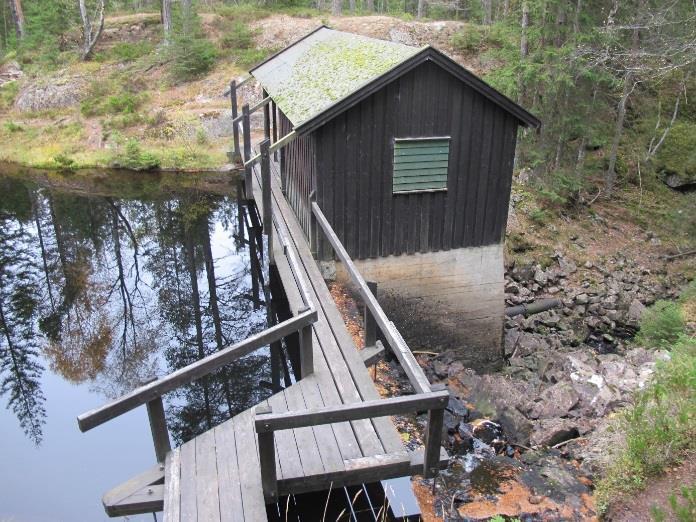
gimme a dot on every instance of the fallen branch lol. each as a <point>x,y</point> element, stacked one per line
<point>561,444</point>
<point>683,254</point>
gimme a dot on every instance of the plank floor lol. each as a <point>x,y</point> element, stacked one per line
<point>216,476</point>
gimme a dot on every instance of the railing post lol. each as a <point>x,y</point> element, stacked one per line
<point>313,229</point>
<point>269,479</point>
<point>266,195</point>
<point>433,437</point>
<point>306,352</point>
<point>274,113</point>
<point>158,426</point>
<point>266,118</point>
<point>369,320</point>
<point>246,131</point>
<point>236,156</point>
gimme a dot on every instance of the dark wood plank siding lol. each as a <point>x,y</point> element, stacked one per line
<point>354,155</point>
<point>300,171</point>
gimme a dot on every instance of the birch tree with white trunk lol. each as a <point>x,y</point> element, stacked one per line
<point>92,27</point>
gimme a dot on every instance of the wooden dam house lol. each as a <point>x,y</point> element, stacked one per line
<point>410,157</point>
<point>393,163</point>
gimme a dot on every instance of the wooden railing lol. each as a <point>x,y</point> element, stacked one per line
<point>267,423</point>
<point>392,335</point>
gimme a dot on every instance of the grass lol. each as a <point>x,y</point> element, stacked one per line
<point>8,93</point>
<point>126,52</point>
<point>682,506</point>
<point>660,426</point>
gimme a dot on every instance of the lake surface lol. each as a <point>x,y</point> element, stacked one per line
<point>104,285</point>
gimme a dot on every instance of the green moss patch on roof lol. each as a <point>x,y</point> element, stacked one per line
<point>326,68</point>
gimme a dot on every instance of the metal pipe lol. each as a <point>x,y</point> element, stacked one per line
<point>536,307</point>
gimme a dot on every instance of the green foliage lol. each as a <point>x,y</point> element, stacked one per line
<point>134,158</point>
<point>237,36</point>
<point>8,93</point>
<point>64,163</point>
<point>12,127</point>
<point>191,57</point>
<point>660,428</point>
<point>126,51</point>
<point>111,97</point>
<point>244,13</point>
<point>468,39</point>
<point>661,325</point>
<point>678,152</point>
<point>683,509</point>
<point>539,216</point>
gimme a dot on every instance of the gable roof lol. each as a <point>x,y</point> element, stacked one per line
<point>328,71</point>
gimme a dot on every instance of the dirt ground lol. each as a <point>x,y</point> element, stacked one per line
<point>656,493</point>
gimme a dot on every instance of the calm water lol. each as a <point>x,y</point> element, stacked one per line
<point>101,288</point>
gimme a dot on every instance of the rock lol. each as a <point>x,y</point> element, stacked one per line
<point>582,299</point>
<point>457,408</point>
<point>635,311</point>
<point>555,401</point>
<point>515,425</point>
<point>488,432</point>
<point>450,423</point>
<point>465,442</point>
<point>51,93</point>
<point>549,432</point>
<point>10,72</point>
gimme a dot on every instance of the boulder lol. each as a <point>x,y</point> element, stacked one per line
<point>10,72</point>
<point>555,401</point>
<point>549,432</point>
<point>53,92</point>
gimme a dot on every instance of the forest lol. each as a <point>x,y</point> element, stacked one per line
<point>609,80</point>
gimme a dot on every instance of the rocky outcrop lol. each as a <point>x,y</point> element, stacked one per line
<point>10,72</point>
<point>51,93</point>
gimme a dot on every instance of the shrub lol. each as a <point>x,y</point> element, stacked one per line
<point>660,428</point>
<point>238,36</point>
<point>470,38</point>
<point>64,163</point>
<point>134,158</point>
<point>192,56</point>
<point>661,325</point>
<point>678,152</point>
<point>8,93</point>
<point>11,126</point>
<point>100,103</point>
<point>127,51</point>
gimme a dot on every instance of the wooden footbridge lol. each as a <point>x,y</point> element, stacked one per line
<point>328,429</point>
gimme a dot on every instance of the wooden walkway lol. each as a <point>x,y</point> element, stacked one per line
<point>202,477</point>
<point>329,429</point>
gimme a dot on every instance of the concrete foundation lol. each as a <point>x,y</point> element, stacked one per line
<point>451,300</point>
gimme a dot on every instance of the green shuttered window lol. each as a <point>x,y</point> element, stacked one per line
<point>420,164</point>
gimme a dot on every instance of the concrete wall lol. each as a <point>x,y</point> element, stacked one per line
<point>447,300</point>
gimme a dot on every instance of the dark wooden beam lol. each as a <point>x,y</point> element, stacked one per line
<point>352,411</point>
<point>193,371</point>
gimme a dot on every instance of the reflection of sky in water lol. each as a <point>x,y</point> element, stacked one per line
<point>64,479</point>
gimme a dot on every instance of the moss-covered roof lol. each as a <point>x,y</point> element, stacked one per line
<point>324,67</point>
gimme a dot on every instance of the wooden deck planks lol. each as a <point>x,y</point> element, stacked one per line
<point>229,484</point>
<point>187,497</point>
<point>172,490</point>
<point>207,499</point>
<point>288,463</point>
<point>248,462</point>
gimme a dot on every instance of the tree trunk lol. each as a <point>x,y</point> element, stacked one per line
<point>610,177</point>
<point>576,20</point>
<point>167,19</point>
<point>17,17</point>
<point>487,12</point>
<point>90,36</point>
<point>370,5</point>
<point>421,9</point>
<point>351,4</point>
<point>524,43</point>
<point>336,7</point>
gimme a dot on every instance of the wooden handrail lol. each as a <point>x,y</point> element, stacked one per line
<point>408,362</point>
<point>240,82</point>
<point>194,371</point>
<point>253,108</point>
<point>282,142</point>
<point>266,422</point>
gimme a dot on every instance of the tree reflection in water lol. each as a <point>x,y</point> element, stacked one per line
<point>111,291</point>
